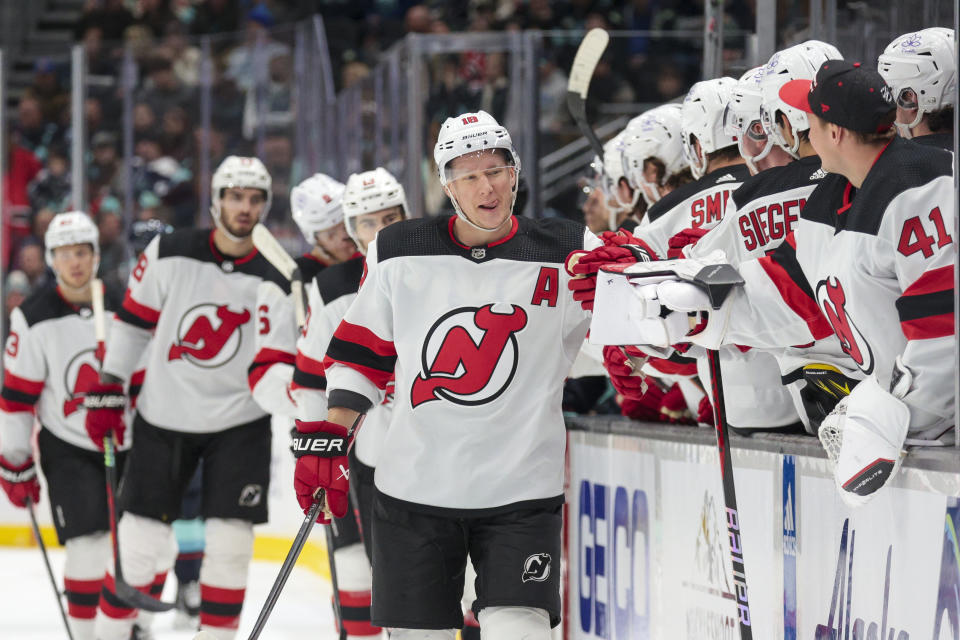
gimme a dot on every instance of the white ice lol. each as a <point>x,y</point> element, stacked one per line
<point>28,609</point>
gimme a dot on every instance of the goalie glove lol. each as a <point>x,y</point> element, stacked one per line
<point>864,436</point>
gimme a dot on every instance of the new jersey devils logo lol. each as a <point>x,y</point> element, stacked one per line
<point>80,375</point>
<point>208,335</point>
<point>536,568</point>
<point>833,300</point>
<point>469,356</point>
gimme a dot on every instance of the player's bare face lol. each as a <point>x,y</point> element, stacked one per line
<point>650,179</point>
<point>369,224</point>
<point>595,213</point>
<point>240,209</point>
<point>336,242</point>
<point>74,264</point>
<point>820,139</point>
<point>483,185</point>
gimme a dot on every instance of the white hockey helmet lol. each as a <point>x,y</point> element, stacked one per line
<point>315,205</point>
<point>924,62</point>
<point>239,172</point>
<point>741,118</point>
<point>613,171</point>
<point>68,228</point>
<point>702,118</point>
<point>472,133</point>
<point>653,134</point>
<point>801,61</point>
<point>369,192</point>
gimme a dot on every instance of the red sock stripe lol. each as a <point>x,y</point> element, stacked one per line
<point>83,597</point>
<point>220,607</point>
<point>355,607</point>
<point>156,588</point>
<point>470,620</point>
<point>110,604</point>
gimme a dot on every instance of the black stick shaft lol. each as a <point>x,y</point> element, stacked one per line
<point>337,610</point>
<point>46,561</point>
<point>286,568</point>
<point>730,498</point>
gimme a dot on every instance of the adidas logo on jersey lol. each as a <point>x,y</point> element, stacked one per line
<point>726,178</point>
<point>819,174</point>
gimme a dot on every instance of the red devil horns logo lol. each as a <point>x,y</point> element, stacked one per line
<point>465,370</point>
<point>833,301</point>
<point>84,376</point>
<point>201,343</point>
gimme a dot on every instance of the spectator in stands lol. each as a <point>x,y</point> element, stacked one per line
<point>284,169</point>
<point>144,119</point>
<point>176,139</point>
<point>39,222</point>
<point>16,290</point>
<point>51,188</point>
<point>163,90</point>
<point>215,16</point>
<point>111,16</point>
<point>113,252</point>
<point>30,260</point>
<point>21,166</point>
<point>46,89</point>
<point>103,171</point>
<point>418,19</point>
<point>155,15</point>
<point>100,61</point>
<point>247,63</point>
<point>35,133</point>
<point>184,56</point>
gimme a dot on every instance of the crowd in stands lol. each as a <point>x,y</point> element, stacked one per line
<point>252,87</point>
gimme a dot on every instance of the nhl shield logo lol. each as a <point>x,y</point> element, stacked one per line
<point>536,568</point>
<point>478,253</point>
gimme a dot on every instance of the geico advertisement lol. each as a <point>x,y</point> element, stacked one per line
<point>611,506</point>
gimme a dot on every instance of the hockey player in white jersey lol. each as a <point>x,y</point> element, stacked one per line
<point>471,314</point>
<point>193,293</point>
<point>315,207</point>
<point>50,362</point>
<point>652,152</point>
<point>921,70</point>
<point>870,261</point>
<point>372,200</point>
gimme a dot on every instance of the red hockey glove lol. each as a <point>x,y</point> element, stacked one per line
<point>321,451</point>
<point>19,482</point>
<point>705,411</point>
<point>684,238</point>
<point>583,266</point>
<point>105,404</point>
<point>628,382</point>
<point>673,407</point>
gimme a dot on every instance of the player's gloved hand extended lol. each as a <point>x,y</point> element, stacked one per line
<point>19,482</point>
<point>105,403</point>
<point>583,266</point>
<point>321,451</point>
<point>683,239</point>
<point>628,382</point>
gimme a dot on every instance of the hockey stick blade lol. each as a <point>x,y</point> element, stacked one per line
<point>718,280</point>
<point>275,254</point>
<point>584,63</point>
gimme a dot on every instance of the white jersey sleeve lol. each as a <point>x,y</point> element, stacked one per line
<point>132,327</point>
<point>25,370</point>
<point>271,372</point>
<point>360,356</point>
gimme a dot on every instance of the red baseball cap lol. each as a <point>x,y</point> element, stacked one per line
<point>844,93</point>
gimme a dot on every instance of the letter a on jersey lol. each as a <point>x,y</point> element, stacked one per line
<point>202,343</point>
<point>469,356</point>
<point>833,300</point>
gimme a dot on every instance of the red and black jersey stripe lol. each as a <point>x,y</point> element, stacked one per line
<point>926,307</point>
<point>19,394</point>
<point>362,350</point>
<point>265,359</point>
<point>136,384</point>
<point>309,373</point>
<point>784,270</point>
<point>139,315</point>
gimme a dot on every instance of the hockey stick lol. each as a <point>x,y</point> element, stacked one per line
<point>718,281</point>
<point>124,591</point>
<point>46,561</point>
<point>276,255</point>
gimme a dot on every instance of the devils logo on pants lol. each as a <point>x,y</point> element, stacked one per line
<point>469,356</point>
<point>833,300</point>
<point>199,343</point>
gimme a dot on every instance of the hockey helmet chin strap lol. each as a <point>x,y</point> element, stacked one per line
<point>906,130</point>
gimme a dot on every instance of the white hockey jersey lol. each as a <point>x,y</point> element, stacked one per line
<point>49,363</point>
<point>873,266</point>
<point>331,294</point>
<point>480,340</point>
<point>215,334</point>
<point>700,205</point>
